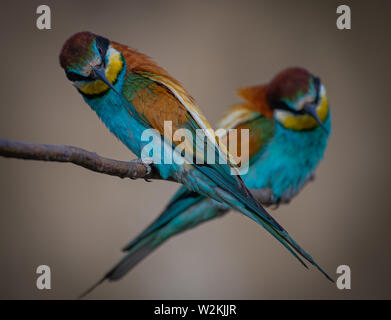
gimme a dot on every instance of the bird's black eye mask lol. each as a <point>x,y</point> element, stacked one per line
<point>102,44</point>
<point>73,76</point>
<point>282,105</point>
<point>317,89</point>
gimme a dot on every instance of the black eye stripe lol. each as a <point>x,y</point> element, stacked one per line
<point>317,88</point>
<point>72,76</point>
<point>102,44</point>
<point>281,105</point>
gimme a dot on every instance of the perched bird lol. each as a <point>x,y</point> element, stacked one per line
<point>130,93</point>
<point>286,145</point>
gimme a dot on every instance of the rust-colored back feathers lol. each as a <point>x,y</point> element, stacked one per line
<point>256,96</point>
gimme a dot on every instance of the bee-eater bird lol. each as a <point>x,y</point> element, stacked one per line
<point>130,93</point>
<point>286,145</point>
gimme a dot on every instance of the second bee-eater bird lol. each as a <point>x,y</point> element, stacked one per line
<point>130,93</point>
<point>285,149</point>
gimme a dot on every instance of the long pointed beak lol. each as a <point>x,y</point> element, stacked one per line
<point>99,73</point>
<point>310,109</point>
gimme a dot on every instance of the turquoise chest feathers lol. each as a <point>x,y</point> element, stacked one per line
<point>288,160</point>
<point>115,113</point>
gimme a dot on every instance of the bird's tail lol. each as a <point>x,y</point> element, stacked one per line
<point>186,210</point>
<point>286,240</point>
<point>138,252</point>
<point>238,196</point>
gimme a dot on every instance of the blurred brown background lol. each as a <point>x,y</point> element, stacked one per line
<point>76,221</point>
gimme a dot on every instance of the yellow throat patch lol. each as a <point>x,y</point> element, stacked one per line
<point>114,66</point>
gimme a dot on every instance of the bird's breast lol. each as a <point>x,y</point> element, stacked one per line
<point>288,159</point>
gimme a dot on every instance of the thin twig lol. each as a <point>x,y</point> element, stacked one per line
<point>134,169</point>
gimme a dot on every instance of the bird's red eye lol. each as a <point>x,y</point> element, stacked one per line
<point>101,56</point>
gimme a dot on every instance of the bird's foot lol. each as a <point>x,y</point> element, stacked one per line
<point>276,204</point>
<point>147,164</point>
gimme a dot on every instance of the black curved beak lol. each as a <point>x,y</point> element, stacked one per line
<point>310,109</point>
<point>99,73</point>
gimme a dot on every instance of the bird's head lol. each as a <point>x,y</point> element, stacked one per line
<point>298,99</point>
<point>91,63</point>
<point>295,98</point>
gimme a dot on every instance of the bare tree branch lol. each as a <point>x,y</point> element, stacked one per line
<point>134,169</point>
